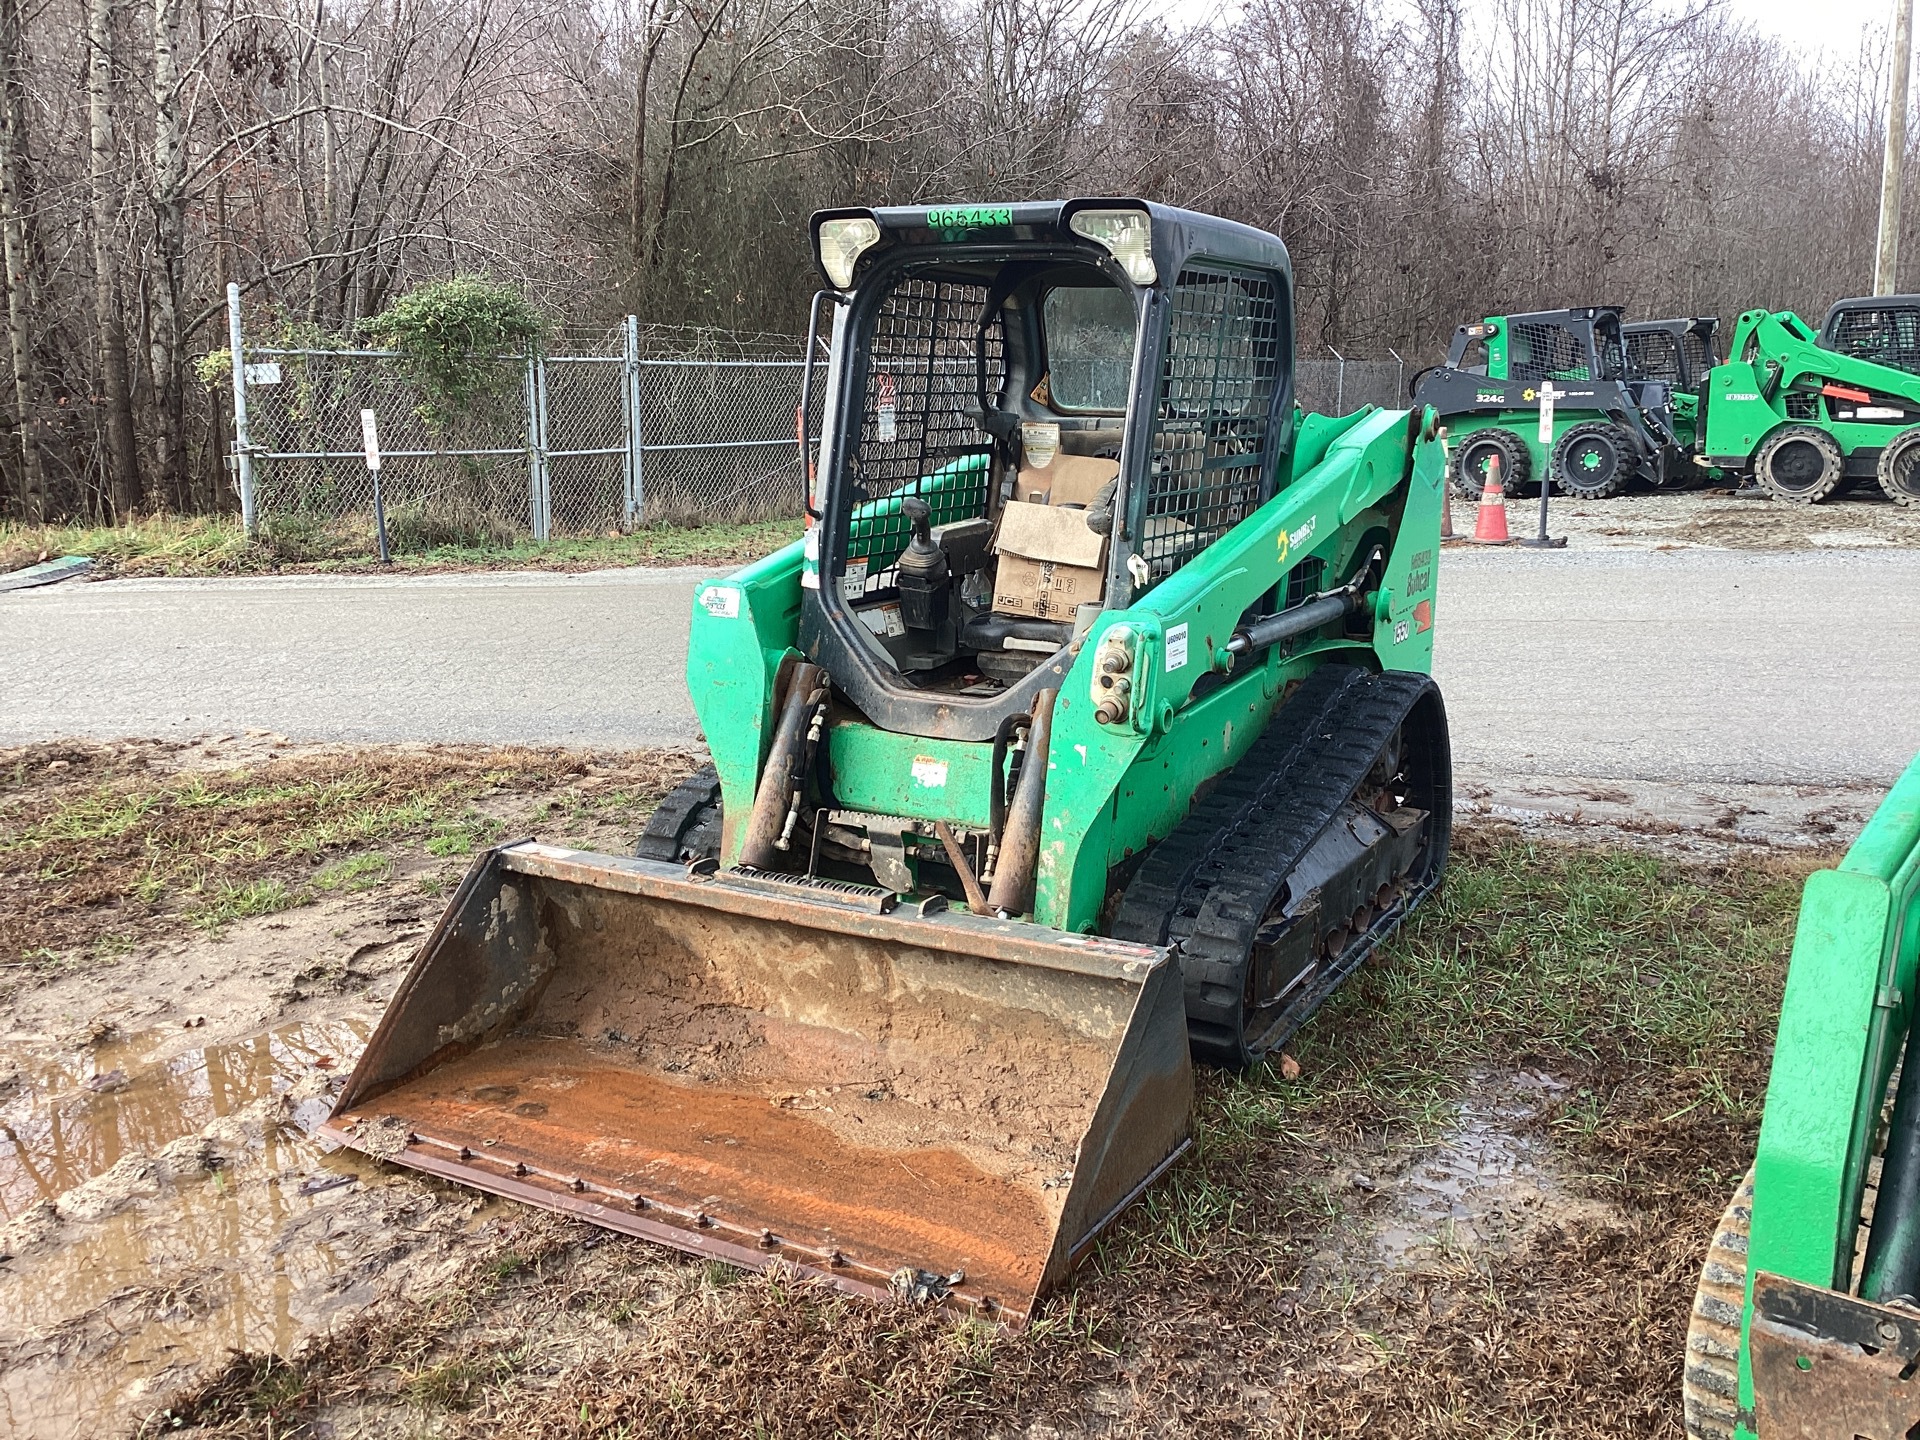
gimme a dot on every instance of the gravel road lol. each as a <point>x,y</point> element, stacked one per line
<point>1690,664</point>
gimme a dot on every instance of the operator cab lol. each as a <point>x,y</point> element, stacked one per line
<point>1676,353</point>
<point>1884,329</point>
<point>1032,414</point>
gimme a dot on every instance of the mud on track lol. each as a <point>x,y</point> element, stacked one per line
<point>1476,1210</point>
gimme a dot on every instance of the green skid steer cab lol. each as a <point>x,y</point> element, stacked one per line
<point>1808,415</point>
<point>1087,732</point>
<point>1677,355</point>
<point>1502,371</point>
<point>1807,1319</point>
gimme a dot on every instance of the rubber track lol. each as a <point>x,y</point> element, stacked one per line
<point>1325,742</point>
<point>1162,883</point>
<point>686,824</point>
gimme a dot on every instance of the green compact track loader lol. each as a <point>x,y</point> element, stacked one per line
<point>1087,732</point>
<point>1807,1320</point>
<point>1605,428</point>
<point>1806,415</point>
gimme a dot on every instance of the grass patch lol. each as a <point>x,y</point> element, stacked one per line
<point>1229,1302</point>
<point>353,874</point>
<point>102,844</point>
<point>217,545</point>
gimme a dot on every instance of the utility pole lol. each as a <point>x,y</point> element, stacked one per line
<point>1886,257</point>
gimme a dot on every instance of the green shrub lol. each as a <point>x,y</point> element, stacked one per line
<point>460,340</point>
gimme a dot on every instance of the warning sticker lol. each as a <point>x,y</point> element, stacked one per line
<point>722,602</point>
<point>883,620</point>
<point>929,772</point>
<point>853,584</point>
<point>1177,648</point>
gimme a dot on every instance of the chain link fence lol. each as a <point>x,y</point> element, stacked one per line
<point>604,431</point>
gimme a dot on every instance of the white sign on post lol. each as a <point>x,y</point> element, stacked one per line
<point>1547,396</point>
<point>370,436</point>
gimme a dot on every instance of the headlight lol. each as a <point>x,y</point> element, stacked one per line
<point>844,241</point>
<point>1127,235</point>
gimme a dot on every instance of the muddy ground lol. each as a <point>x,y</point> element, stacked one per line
<point>1471,1203</point>
<point>1713,518</point>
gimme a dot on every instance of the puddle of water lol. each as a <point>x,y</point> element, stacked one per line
<point>99,1323</point>
<point>1481,1176</point>
<point>74,1117</point>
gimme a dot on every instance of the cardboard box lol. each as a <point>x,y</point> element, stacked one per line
<point>1050,563</point>
<point>1069,480</point>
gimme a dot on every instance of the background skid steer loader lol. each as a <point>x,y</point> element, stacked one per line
<point>1807,420</point>
<point>1610,426</point>
<point>1087,731</point>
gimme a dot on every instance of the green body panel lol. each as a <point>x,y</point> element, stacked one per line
<point>1747,398</point>
<point>1349,484</point>
<point>1327,510</point>
<point>926,779</point>
<point>743,627</point>
<point>1849,999</point>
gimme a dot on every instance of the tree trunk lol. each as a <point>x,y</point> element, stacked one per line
<point>169,235</point>
<point>122,455</point>
<point>16,253</point>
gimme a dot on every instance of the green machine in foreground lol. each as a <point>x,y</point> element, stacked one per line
<point>1087,732</point>
<point>1806,420</point>
<point>1807,1320</point>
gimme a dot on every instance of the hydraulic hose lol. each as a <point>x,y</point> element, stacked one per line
<point>1893,1244</point>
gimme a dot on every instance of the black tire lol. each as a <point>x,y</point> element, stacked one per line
<point>1470,456</point>
<point>1710,1375</point>
<point>1594,460</point>
<point>1800,463</point>
<point>1899,468</point>
<point>686,826</point>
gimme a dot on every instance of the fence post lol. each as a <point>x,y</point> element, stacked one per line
<point>242,439</point>
<point>1339,383</point>
<point>636,444</point>
<point>537,496</point>
<point>1399,375</point>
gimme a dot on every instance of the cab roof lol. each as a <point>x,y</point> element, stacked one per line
<point>1177,234</point>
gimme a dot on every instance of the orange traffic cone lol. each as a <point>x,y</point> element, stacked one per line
<point>1490,525</point>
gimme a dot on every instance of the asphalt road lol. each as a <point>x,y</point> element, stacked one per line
<point>1689,665</point>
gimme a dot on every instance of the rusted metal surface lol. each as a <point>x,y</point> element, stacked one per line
<point>782,781</point>
<point>1829,1366</point>
<point>946,1103</point>
<point>1014,871</point>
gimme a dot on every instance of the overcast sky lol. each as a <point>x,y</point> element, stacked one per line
<point>1835,25</point>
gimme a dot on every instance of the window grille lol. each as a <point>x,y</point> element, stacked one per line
<point>1226,350</point>
<point>920,433</point>
<point>1886,337</point>
<point>1654,355</point>
<point>1305,580</point>
<point>1541,350</point>
<point>1699,356</point>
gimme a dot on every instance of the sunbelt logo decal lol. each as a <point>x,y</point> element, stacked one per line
<point>1291,543</point>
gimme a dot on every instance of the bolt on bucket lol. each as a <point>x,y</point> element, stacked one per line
<point>894,1098</point>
